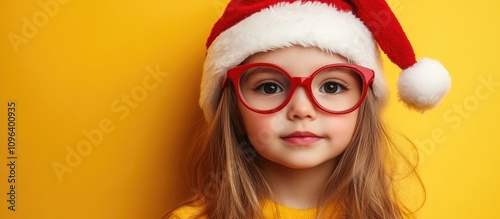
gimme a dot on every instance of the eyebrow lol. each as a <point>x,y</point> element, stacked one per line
<point>260,68</point>
<point>320,65</point>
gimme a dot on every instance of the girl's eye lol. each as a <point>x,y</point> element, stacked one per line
<point>269,88</point>
<point>332,87</point>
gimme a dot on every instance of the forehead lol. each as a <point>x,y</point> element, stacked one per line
<point>298,60</point>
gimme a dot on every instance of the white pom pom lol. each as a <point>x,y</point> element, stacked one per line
<point>423,85</point>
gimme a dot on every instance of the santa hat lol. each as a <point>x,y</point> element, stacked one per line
<point>351,28</point>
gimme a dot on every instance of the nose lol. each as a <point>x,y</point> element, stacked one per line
<point>300,106</point>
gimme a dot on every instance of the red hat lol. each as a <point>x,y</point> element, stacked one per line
<point>351,28</point>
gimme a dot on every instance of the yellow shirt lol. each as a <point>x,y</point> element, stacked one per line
<point>269,209</point>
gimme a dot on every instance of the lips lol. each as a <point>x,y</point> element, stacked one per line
<point>301,138</point>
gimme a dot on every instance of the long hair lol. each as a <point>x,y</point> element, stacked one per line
<point>363,182</point>
<point>227,180</point>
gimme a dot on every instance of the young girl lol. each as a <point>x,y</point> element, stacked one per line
<point>292,93</point>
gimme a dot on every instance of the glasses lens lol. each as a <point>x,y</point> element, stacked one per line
<point>337,88</point>
<point>264,88</point>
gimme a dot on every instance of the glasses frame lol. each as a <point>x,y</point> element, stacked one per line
<point>234,74</point>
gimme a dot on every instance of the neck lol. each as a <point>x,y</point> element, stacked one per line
<point>297,188</point>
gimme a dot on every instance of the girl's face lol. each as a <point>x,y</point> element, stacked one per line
<point>300,135</point>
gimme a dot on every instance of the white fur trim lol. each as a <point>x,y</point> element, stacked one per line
<point>423,85</point>
<point>285,24</point>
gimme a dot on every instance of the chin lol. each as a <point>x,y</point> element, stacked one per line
<point>303,164</point>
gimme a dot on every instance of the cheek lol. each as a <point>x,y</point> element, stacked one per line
<point>260,128</point>
<point>342,128</point>
<point>252,121</point>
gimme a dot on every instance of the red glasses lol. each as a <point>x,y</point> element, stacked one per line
<point>267,88</point>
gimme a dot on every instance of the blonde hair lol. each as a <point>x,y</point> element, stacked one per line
<point>227,180</point>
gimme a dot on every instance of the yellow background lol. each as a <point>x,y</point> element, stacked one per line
<point>74,73</point>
